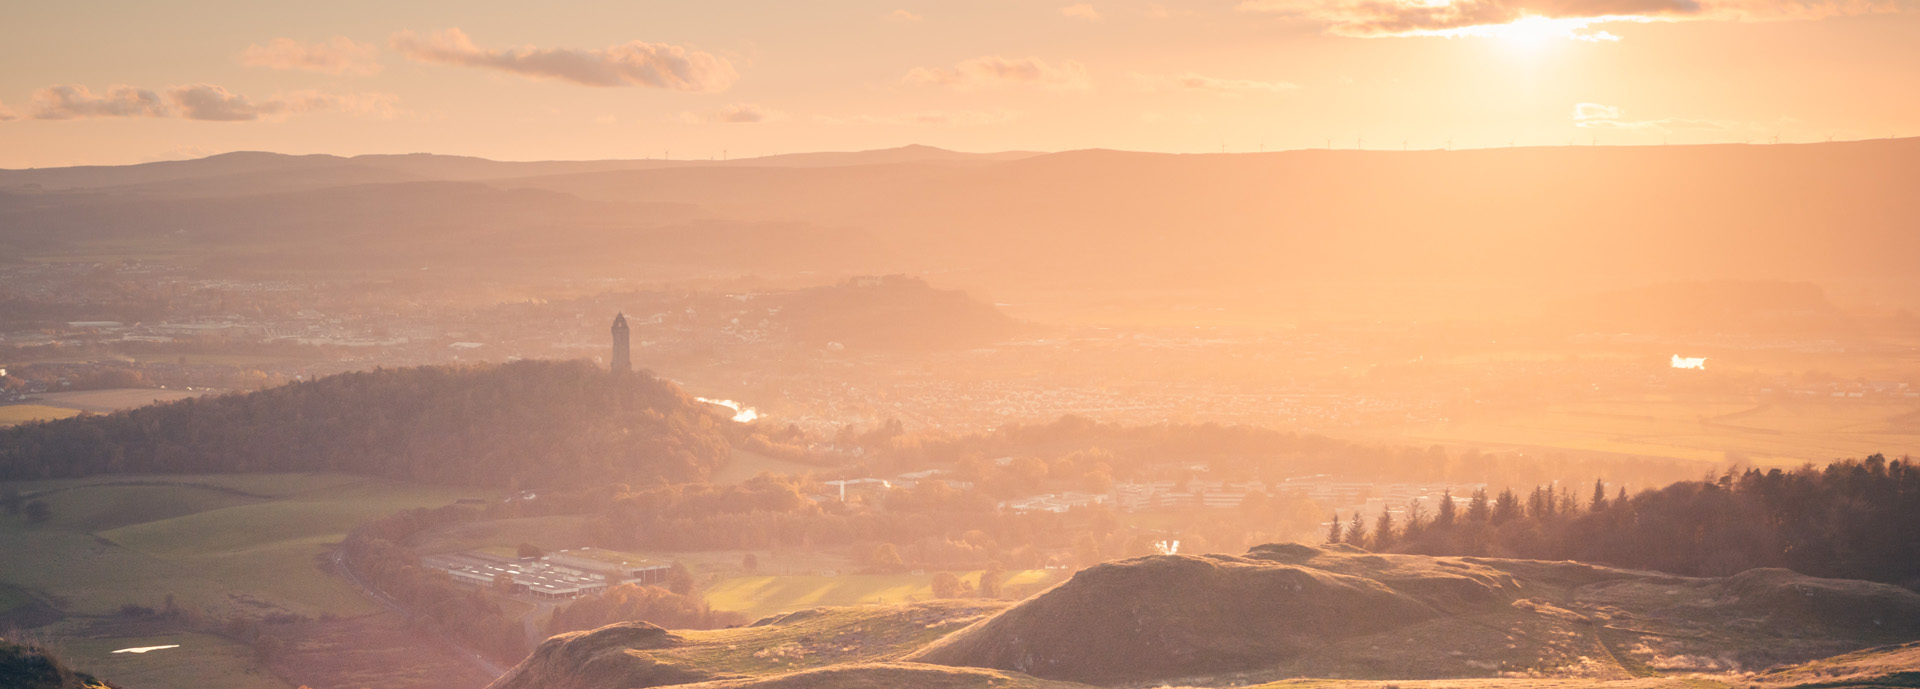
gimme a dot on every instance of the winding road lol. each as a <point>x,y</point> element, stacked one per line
<point>479,661</point>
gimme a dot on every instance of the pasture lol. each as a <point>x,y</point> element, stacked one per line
<point>103,401</point>
<point>746,464</point>
<point>200,661</point>
<point>13,414</point>
<point>759,596</point>
<point>217,543</point>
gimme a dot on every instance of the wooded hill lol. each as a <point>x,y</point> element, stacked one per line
<point>526,424</point>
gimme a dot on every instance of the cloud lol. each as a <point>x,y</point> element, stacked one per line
<point>738,113</point>
<point>206,102</point>
<point>993,71</point>
<point>75,102</point>
<point>7,114</point>
<point>1081,11</point>
<point>1594,111</point>
<point>935,118</point>
<point>338,55</point>
<point>1572,19</point>
<point>1597,116</point>
<point>216,104</point>
<point>903,17</point>
<point>635,63</point>
<point>1197,82</point>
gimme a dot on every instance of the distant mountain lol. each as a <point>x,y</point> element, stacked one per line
<point>1749,306</point>
<point>227,174</point>
<point>1343,233</point>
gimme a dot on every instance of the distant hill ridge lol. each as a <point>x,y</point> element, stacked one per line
<point>1432,234</point>
<point>525,423</point>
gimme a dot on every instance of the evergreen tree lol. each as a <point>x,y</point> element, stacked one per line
<point>1479,509</point>
<point>1599,503</point>
<point>1507,507</point>
<point>1443,518</point>
<point>1357,530</point>
<point>1383,531</point>
<point>1333,529</point>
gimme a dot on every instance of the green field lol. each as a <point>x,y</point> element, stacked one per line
<point>758,596</point>
<point>217,543</point>
<point>200,661</point>
<point>21,413</point>
<point>113,399</point>
<point>746,464</point>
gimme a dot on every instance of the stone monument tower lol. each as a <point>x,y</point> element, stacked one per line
<point>622,363</point>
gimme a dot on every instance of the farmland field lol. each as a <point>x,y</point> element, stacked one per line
<point>200,661</point>
<point>758,596</point>
<point>113,400</point>
<point>216,543</point>
<point>21,413</point>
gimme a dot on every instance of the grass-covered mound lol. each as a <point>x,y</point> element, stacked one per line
<point>1886,666</point>
<point>891,676</point>
<point>629,655</point>
<point>534,423</point>
<point>1300,611</point>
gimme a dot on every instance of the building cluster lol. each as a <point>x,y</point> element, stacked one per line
<point>556,576</point>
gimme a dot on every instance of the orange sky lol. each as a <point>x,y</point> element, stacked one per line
<point>111,83</point>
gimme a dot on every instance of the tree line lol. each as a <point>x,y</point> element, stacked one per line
<point>1852,519</point>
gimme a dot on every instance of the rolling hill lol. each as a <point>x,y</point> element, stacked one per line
<point>1294,615</point>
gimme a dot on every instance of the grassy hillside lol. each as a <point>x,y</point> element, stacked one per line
<point>527,423</point>
<point>215,543</point>
<point>637,654</point>
<point>1299,611</point>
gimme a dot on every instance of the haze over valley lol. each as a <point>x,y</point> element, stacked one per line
<point>1105,345</point>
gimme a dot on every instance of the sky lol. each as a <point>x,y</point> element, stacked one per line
<point>85,82</point>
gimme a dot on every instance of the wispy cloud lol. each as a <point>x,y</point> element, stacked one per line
<point>933,118</point>
<point>206,102</point>
<point>1081,11</point>
<point>1574,19</point>
<point>338,55</point>
<point>75,102</point>
<point>635,63</point>
<point>993,71</point>
<point>1199,82</point>
<point>213,103</point>
<point>1597,116</point>
<point>738,113</point>
<point>7,114</point>
<point>903,17</point>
